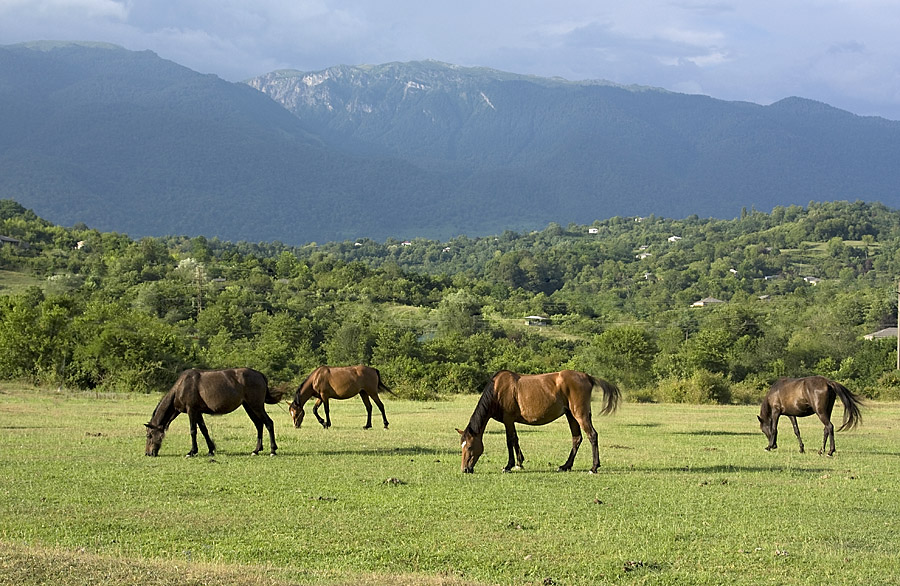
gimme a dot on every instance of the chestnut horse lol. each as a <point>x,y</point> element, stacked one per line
<point>536,399</point>
<point>339,382</point>
<point>213,392</point>
<point>799,397</point>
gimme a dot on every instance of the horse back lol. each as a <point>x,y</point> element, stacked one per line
<point>537,399</point>
<point>220,391</point>
<point>801,397</point>
<point>344,382</point>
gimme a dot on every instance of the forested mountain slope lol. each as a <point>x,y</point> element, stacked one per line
<point>126,141</point>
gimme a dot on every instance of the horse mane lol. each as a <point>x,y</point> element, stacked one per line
<point>164,406</point>
<point>297,392</point>
<point>485,409</point>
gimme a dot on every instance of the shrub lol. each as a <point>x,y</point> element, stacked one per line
<point>702,388</point>
<point>888,387</point>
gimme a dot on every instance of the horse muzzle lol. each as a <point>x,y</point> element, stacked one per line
<point>469,470</point>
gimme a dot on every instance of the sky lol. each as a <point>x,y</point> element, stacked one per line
<point>845,53</point>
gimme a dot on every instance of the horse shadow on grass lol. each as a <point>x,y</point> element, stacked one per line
<point>730,469</point>
<point>716,432</point>
<point>400,451</point>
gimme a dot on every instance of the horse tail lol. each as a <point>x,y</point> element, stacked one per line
<point>381,385</point>
<point>852,402</point>
<point>273,396</point>
<point>612,396</point>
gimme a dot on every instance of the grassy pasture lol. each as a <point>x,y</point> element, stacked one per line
<point>685,495</point>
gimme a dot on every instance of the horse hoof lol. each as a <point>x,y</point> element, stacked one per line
<point>563,469</point>
<point>272,454</point>
<point>189,455</point>
<point>592,472</point>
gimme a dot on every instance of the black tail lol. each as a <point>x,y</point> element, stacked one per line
<point>272,396</point>
<point>852,416</point>
<point>381,385</point>
<point>612,396</point>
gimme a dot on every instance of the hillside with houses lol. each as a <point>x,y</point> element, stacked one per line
<point>714,315</point>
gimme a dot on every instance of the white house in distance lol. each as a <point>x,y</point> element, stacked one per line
<point>536,320</point>
<point>885,333</point>
<point>706,301</point>
<point>674,238</point>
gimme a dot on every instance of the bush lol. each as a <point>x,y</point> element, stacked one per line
<point>750,391</point>
<point>888,387</point>
<point>703,388</point>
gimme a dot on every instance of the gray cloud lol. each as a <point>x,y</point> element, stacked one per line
<point>837,52</point>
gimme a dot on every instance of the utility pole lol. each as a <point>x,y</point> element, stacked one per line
<point>200,279</point>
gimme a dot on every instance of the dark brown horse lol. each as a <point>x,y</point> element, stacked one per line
<point>536,399</point>
<point>213,392</point>
<point>799,397</point>
<point>339,382</point>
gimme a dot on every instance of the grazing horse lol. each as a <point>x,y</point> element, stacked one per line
<point>339,382</point>
<point>536,399</point>
<point>213,392</point>
<point>799,397</point>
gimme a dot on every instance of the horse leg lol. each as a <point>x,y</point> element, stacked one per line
<point>316,413</point>
<point>196,420</point>
<point>254,417</point>
<point>595,448</point>
<point>796,431</point>
<point>773,439</point>
<point>576,442</point>
<point>368,404</point>
<point>270,425</point>
<point>194,449</point>
<point>828,434</point>
<point>260,418</point>
<point>512,448</point>
<point>380,406</point>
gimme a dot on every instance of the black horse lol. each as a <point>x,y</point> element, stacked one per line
<point>799,397</point>
<point>213,392</point>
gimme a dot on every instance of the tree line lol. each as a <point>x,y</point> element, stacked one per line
<point>792,292</point>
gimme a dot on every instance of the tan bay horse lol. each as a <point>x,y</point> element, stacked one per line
<point>213,392</point>
<point>536,399</point>
<point>339,382</point>
<point>800,397</point>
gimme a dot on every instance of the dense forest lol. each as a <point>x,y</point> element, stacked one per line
<point>689,310</point>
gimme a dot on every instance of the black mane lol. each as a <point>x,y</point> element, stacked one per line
<point>296,400</point>
<point>487,407</point>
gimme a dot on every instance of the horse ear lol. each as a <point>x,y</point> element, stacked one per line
<point>460,431</point>
<point>760,418</point>
<point>148,426</point>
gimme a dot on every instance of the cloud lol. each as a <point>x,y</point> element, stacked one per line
<point>60,9</point>
<point>841,52</point>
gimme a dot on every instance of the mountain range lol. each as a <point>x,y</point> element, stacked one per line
<point>127,141</point>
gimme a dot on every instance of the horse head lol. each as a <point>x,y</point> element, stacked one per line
<point>767,426</point>
<point>155,435</point>
<point>472,448</point>
<point>297,413</point>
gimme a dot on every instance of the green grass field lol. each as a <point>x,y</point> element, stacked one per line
<point>685,495</point>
